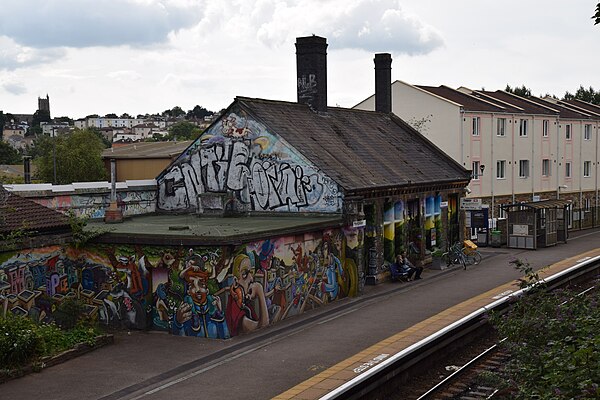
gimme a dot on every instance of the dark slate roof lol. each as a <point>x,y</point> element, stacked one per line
<point>526,106</point>
<point>18,213</point>
<point>358,149</point>
<point>468,102</point>
<point>592,108</point>
<point>564,111</point>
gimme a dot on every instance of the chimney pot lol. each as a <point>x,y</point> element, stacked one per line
<point>311,67</point>
<point>383,82</point>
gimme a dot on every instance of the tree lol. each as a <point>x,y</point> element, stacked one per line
<point>125,115</point>
<point>111,115</point>
<point>8,155</point>
<point>183,130</point>
<point>77,155</point>
<point>198,112</point>
<point>596,17</point>
<point>40,116</point>
<point>64,119</point>
<point>587,95</point>
<point>519,91</point>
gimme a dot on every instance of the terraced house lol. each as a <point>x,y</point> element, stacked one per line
<point>518,149</point>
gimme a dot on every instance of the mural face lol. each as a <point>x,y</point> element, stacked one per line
<point>205,292</point>
<point>260,172</point>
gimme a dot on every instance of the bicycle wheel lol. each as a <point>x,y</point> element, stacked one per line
<point>476,257</point>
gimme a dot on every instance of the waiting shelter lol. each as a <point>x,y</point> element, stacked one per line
<point>537,224</point>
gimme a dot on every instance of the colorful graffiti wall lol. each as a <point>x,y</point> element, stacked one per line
<point>207,292</point>
<point>259,170</point>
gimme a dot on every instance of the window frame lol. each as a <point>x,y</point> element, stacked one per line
<point>545,128</point>
<point>546,167</point>
<point>587,132</point>
<point>476,128</point>
<point>524,169</point>
<point>475,169</point>
<point>500,167</point>
<point>568,132</point>
<point>568,169</point>
<point>587,169</point>
<point>501,123</point>
<point>523,127</point>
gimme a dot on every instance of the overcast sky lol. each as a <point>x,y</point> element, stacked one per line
<point>146,56</point>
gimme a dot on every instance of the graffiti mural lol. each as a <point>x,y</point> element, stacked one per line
<point>260,171</point>
<point>93,205</point>
<point>210,292</point>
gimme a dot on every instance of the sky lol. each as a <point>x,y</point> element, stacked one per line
<point>147,56</point>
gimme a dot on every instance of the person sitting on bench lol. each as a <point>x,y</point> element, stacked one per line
<point>399,270</point>
<point>408,266</point>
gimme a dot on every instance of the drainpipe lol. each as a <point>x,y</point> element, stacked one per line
<point>558,157</point>
<point>533,160</point>
<point>581,162</point>
<point>512,181</point>
<point>493,168</point>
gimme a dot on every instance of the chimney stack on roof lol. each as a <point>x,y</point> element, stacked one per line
<point>311,66</point>
<point>383,82</point>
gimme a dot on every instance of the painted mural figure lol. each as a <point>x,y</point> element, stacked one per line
<point>200,313</point>
<point>243,293</point>
<point>333,272</point>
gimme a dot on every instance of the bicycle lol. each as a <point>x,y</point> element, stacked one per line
<point>455,255</point>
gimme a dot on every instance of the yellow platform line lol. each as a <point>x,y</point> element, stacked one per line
<point>342,372</point>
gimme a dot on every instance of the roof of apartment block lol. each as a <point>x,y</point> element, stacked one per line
<point>592,108</point>
<point>147,150</point>
<point>358,149</point>
<point>468,102</point>
<point>18,213</point>
<point>525,105</point>
<point>564,110</point>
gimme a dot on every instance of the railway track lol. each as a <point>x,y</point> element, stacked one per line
<point>384,380</point>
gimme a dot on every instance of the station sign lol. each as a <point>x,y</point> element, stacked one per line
<point>470,204</point>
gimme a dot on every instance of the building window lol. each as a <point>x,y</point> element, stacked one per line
<point>475,166</point>
<point>545,128</point>
<point>501,212</point>
<point>501,127</point>
<point>545,167</point>
<point>568,131</point>
<point>523,128</point>
<point>587,203</point>
<point>587,132</point>
<point>587,169</point>
<point>523,168</point>
<point>501,169</point>
<point>476,123</point>
<point>568,169</point>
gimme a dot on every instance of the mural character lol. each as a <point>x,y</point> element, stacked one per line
<point>243,293</point>
<point>200,313</point>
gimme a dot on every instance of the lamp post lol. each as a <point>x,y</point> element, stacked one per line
<point>558,190</point>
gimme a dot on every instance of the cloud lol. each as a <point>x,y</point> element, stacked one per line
<point>89,23</point>
<point>15,88</point>
<point>13,55</point>
<point>370,25</point>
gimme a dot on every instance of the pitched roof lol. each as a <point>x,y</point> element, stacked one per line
<point>527,106</point>
<point>564,110</point>
<point>468,102</point>
<point>147,150</point>
<point>358,149</point>
<point>17,212</point>
<point>592,108</point>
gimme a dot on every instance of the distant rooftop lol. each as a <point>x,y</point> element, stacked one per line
<point>147,150</point>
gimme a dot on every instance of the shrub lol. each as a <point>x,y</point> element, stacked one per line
<point>19,341</point>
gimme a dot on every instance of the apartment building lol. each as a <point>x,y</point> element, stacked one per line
<point>517,148</point>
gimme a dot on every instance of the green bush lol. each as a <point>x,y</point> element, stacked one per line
<point>22,341</point>
<point>554,342</point>
<point>19,341</point>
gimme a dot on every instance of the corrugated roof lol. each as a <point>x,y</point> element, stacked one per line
<point>538,204</point>
<point>18,213</point>
<point>358,149</point>
<point>147,150</point>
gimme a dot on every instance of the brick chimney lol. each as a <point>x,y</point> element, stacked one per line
<point>383,82</point>
<point>311,65</point>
